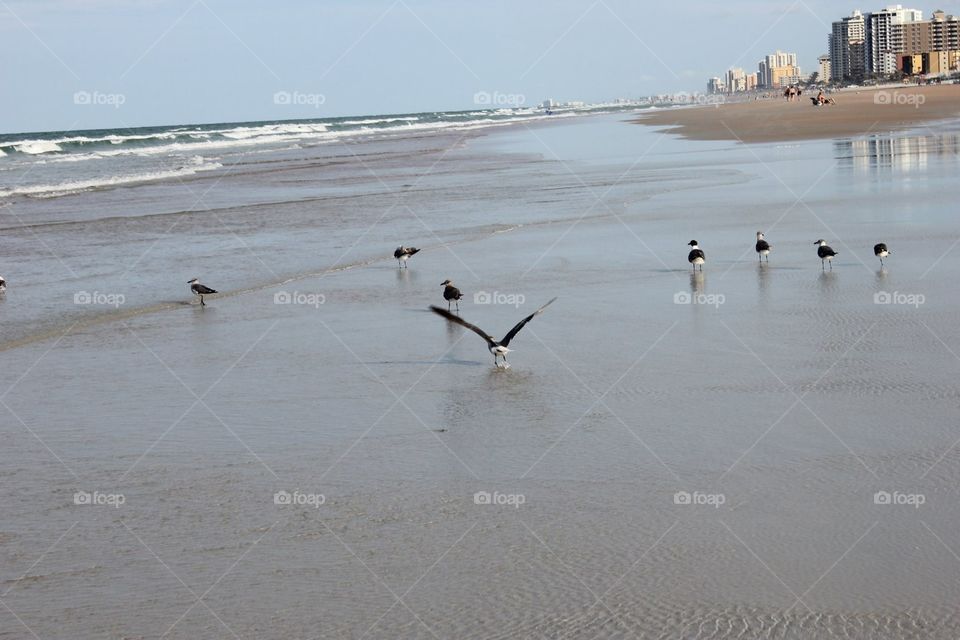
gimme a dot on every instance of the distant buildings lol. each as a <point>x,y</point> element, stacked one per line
<point>825,69</point>
<point>779,70</point>
<point>891,41</point>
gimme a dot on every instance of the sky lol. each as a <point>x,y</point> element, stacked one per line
<point>85,64</point>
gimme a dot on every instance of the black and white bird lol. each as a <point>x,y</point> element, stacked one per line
<point>763,247</point>
<point>451,294</point>
<point>3,284</point>
<point>497,347</point>
<point>881,251</point>
<point>696,255</point>
<point>402,254</point>
<point>826,253</point>
<point>200,290</point>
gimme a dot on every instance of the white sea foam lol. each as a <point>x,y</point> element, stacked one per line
<point>35,147</point>
<point>64,188</point>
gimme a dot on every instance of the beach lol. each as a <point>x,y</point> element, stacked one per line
<point>856,113</point>
<point>315,455</point>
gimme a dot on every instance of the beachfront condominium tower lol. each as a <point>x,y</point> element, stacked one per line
<point>847,47</point>
<point>824,68</point>
<point>778,70</point>
<point>884,37</point>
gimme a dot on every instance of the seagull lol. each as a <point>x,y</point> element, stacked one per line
<point>763,247</point>
<point>3,284</point>
<point>825,253</point>
<point>402,254</point>
<point>498,349</point>
<point>200,290</point>
<point>451,294</point>
<point>696,256</point>
<point>879,250</point>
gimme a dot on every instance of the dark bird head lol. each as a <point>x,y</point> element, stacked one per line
<point>446,282</point>
<point>759,235</point>
<point>693,243</point>
<point>194,281</point>
<point>820,242</point>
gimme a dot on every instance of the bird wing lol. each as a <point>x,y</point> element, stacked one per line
<point>398,252</point>
<point>463,323</point>
<point>200,288</point>
<point>696,253</point>
<point>507,338</point>
<point>762,245</point>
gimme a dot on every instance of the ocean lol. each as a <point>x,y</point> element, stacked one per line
<point>752,451</point>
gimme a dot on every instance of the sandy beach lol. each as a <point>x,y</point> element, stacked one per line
<point>855,113</point>
<point>671,455</point>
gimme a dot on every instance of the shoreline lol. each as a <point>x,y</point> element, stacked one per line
<point>856,113</point>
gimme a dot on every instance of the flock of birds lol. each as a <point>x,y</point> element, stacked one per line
<point>499,348</point>
<point>697,257</point>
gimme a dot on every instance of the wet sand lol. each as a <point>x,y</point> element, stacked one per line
<point>856,113</point>
<point>782,404</point>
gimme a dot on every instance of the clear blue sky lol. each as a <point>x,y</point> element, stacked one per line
<point>186,61</point>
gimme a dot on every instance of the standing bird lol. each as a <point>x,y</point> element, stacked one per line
<point>696,255</point>
<point>763,247</point>
<point>451,294</point>
<point>880,250</point>
<point>825,253</point>
<point>497,348</point>
<point>3,284</point>
<point>200,290</point>
<point>402,254</point>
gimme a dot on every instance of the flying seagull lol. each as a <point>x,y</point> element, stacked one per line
<point>825,253</point>
<point>200,290</point>
<point>763,247</point>
<point>696,256</point>
<point>879,250</point>
<point>402,254</point>
<point>497,348</point>
<point>451,294</point>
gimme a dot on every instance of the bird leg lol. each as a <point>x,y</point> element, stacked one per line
<point>202,303</point>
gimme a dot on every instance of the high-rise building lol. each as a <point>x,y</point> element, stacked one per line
<point>824,71</point>
<point>847,47</point>
<point>883,34</point>
<point>778,70</point>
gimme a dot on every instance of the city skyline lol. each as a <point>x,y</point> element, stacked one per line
<point>188,61</point>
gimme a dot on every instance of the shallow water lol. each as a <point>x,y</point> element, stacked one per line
<point>782,403</point>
